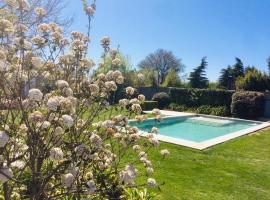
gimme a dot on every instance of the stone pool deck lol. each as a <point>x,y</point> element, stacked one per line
<point>173,113</point>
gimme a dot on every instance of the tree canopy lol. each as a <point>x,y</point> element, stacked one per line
<point>197,78</point>
<point>162,62</point>
<point>229,75</point>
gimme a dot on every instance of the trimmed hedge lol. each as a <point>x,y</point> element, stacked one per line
<point>223,111</point>
<point>199,97</point>
<point>149,105</point>
<point>247,105</point>
<point>163,99</point>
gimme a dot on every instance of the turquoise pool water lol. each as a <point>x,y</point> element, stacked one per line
<point>194,129</point>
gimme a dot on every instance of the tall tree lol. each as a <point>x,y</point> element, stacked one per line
<point>226,78</point>
<point>238,68</point>
<point>268,64</point>
<point>197,78</point>
<point>162,62</point>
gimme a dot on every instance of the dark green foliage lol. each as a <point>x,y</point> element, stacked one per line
<point>163,99</point>
<point>177,107</point>
<point>238,68</point>
<point>206,109</point>
<point>226,79</point>
<point>268,64</point>
<point>198,97</point>
<point>197,78</point>
<point>149,105</point>
<point>229,75</point>
<point>247,105</point>
<point>223,111</point>
<point>253,80</point>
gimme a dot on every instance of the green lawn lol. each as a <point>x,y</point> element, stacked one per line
<point>238,169</point>
<point>235,170</point>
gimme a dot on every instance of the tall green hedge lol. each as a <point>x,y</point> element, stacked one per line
<point>248,105</point>
<point>200,97</point>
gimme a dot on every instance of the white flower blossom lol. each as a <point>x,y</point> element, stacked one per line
<point>105,41</point>
<point>53,103</point>
<point>130,90</point>
<point>90,10</point>
<point>91,187</point>
<point>68,120</point>
<point>68,179</point>
<point>151,182</point>
<point>140,77</point>
<point>37,62</point>
<point>136,108</point>
<point>35,95</point>
<point>141,97</point>
<point>3,138</point>
<point>128,175</point>
<point>116,62</point>
<point>62,84</point>
<point>6,174</point>
<point>156,111</point>
<point>123,103</point>
<point>154,130</point>
<point>56,153</point>
<point>40,12</point>
<point>165,152</point>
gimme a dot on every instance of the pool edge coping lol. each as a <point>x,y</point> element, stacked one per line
<point>211,142</point>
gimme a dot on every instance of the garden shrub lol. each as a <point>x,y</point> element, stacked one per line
<point>206,109</point>
<point>65,141</point>
<point>218,110</point>
<point>176,107</point>
<point>247,105</point>
<point>198,97</point>
<point>149,105</point>
<point>163,99</point>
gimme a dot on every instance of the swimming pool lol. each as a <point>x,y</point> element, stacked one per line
<point>199,131</point>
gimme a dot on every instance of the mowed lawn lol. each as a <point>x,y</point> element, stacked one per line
<point>238,169</point>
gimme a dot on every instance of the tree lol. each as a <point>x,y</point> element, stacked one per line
<point>229,75</point>
<point>172,80</point>
<point>197,78</point>
<point>161,61</point>
<point>54,10</point>
<point>226,79</point>
<point>67,142</point>
<point>268,64</point>
<point>238,68</point>
<point>253,80</point>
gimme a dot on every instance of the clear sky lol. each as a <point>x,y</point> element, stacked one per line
<point>191,29</point>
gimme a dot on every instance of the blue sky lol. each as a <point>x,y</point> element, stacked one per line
<point>191,29</point>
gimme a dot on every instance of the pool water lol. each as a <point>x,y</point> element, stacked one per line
<point>196,129</point>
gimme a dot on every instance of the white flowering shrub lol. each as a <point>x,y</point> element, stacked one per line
<point>51,146</point>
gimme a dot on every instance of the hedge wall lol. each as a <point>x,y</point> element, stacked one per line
<point>199,97</point>
<point>247,105</point>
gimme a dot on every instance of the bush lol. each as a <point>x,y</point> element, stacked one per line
<point>149,105</point>
<point>223,111</point>
<point>176,107</point>
<point>200,97</point>
<point>253,80</point>
<point>163,99</point>
<point>207,110</point>
<point>247,105</point>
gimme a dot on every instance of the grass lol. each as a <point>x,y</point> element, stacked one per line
<point>235,170</point>
<point>238,169</point>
